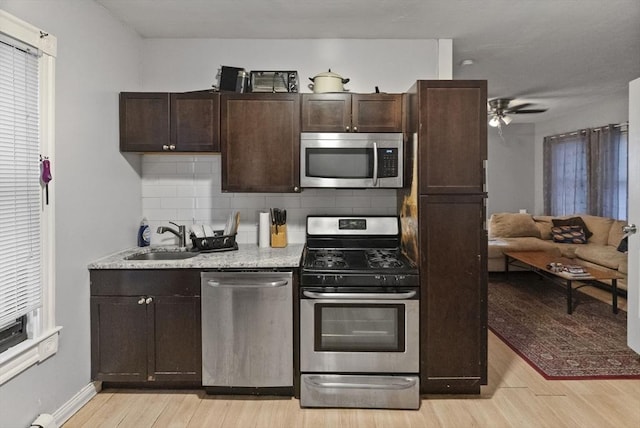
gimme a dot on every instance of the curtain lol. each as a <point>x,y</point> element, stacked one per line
<point>609,172</point>
<point>566,181</point>
<point>585,172</point>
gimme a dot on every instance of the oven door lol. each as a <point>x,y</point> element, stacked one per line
<point>351,160</point>
<point>359,332</point>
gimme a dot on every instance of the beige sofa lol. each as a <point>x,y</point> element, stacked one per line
<point>524,232</point>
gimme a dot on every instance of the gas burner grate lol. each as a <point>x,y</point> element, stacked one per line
<point>383,259</point>
<point>329,263</point>
<point>330,259</point>
<point>329,254</point>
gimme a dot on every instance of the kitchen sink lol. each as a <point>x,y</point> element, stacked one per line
<point>162,255</point>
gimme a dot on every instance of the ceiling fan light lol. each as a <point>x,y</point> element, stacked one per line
<point>506,119</point>
<point>494,121</point>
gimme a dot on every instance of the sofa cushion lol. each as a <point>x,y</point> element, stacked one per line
<point>615,233</point>
<point>512,225</point>
<point>544,225</point>
<point>604,255</point>
<point>623,267</point>
<point>573,221</point>
<point>600,226</point>
<point>497,247</point>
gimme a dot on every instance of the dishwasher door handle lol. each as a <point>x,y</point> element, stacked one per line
<point>246,284</point>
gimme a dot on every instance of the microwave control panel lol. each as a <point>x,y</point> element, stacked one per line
<point>387,162</point>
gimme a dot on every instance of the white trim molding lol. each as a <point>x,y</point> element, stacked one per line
<point>32,351</point>
<point>27,33</point>
<point>71,407</point>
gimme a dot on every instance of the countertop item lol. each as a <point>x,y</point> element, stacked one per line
<point>247,256</point>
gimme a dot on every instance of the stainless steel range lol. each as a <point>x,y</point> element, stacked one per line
<point>359,317</point>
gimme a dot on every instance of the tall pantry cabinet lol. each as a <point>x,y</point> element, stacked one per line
<point>443,217</point>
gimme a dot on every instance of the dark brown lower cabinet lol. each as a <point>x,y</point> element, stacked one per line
<point>453,306</point>
<point>145,327</point>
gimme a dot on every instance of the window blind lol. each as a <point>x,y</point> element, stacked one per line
<point>20,247</point>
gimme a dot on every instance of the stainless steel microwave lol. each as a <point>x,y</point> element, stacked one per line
<point>351,160</point>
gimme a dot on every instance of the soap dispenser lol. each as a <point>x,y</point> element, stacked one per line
<point>144,233</point>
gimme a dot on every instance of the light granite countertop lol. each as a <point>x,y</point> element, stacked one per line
<point>247,256</point>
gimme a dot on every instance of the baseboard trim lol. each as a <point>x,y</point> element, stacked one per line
<point>68,409</point>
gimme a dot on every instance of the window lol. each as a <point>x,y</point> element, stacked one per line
<point>19,187</point>
<point>26,244</point>
<point>585,172</point>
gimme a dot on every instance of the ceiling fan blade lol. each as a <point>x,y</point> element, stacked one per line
<point>541,110</point>
<point>518,107</point>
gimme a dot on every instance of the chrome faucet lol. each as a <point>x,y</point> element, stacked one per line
<point>181,233</point>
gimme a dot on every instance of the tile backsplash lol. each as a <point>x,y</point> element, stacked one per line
<point>187,190</point>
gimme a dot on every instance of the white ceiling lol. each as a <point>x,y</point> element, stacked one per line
<point>558,54</point>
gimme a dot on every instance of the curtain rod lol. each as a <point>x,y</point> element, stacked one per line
<point>582,131</point>
<point>619,125</point>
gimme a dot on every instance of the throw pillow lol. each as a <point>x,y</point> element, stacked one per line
<point>512,225</point>
<point>623,247</point>
<point>568,235</point>
<point>573,221</point>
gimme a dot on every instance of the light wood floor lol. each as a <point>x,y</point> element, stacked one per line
<point>516,396</point>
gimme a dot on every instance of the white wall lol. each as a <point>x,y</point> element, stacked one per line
<point>511,169</point>
<point>98,197</point>
<point>192,64</point>
<point>611,109</point>
<point>187,189</point>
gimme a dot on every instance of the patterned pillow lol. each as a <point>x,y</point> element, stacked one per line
<point>573,221</point>
<point>568,235</point>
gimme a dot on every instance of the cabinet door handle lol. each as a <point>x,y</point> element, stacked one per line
<point>172,147</point>
<point>348,128</point>
<point>355,129</point>
<point>165,147</point>
<point>141,301</point>
<point>149,300</point>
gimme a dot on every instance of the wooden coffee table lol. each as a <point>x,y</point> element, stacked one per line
<point>538,261</point>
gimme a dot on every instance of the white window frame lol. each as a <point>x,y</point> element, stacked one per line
<point>43,333</point>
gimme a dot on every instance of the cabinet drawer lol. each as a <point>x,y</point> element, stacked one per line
<point>126,282</point>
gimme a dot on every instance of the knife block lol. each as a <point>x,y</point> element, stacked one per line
<point>279,238</point>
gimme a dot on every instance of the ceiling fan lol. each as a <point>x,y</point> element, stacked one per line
<point>499,111</point>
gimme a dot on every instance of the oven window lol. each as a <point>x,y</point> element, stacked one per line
<point>359,327</point>
<point>339,163</point>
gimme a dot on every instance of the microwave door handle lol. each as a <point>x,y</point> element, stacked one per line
<point>375,164</point>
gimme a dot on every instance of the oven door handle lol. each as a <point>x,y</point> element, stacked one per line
<point>351,296</point>
<point>397,383</point>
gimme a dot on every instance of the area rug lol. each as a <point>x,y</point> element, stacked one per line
<point>529,314</point>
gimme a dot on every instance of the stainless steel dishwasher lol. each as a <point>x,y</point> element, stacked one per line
<point>247,332</point>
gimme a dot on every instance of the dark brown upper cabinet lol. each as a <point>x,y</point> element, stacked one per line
<point>260,142</point>
<point>163,122</point>
<point>352,112</point>
<point>453,127</point>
